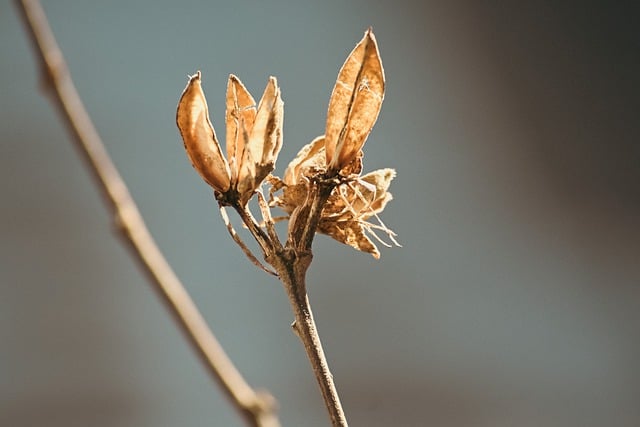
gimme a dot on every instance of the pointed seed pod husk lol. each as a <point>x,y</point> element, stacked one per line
<point>198,135</point>
<point>239,118</point>
<point>355,103</point>
<point>265,139</point>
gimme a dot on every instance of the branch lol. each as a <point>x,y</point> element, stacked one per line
<point>292,268</point>
<point>291,263</point>
<point>258,408</point>
<point>236,238</point>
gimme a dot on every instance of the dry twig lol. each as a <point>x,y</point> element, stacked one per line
<point>258,408</point>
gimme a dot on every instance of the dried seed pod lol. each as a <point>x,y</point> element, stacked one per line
<point>200,142</point>
<point>265,140</point>
<point>355,103</point>
<point>239,118</point>
<point>353,109</point>
<point>254,136</point>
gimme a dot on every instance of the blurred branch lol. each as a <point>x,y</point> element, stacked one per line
<point>258,408</point>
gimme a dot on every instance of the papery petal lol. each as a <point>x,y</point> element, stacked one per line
<point>355,103</point>
<point>350,233</point>
<point>266,134</point>
<point>310,156</point>
<point>381,180</point>
<point>203,149</point>
<point>361,198</point>
<point>265,140</point>
<point>239,117</point>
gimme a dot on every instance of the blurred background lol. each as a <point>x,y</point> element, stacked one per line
<point>514,301</point>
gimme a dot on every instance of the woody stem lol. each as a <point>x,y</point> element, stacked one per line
<point>292,264</point>
<point>292,268</point>
<point>258,408</point>
<point>306,221</point>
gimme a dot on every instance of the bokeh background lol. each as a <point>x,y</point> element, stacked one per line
<point>514,301</point>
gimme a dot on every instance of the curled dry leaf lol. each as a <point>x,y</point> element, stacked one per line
<point>254,136</point>
<point>199,138</point>
<point>355,103</point>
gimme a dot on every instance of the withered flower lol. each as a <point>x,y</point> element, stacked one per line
<point>254,137</point>
<point>353,109</point>
<point>345,216</point>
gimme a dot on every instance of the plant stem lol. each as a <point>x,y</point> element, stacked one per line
<point>291,264</point>
<point>258,408</point>
<point>292,271</point>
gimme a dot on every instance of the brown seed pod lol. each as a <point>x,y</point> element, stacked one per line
<point>254,136</point>
<point>200,142</point>
<point>355,103</point>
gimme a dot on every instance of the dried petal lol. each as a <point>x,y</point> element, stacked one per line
<point>293,196</point>
<point>350,233</point>
<point>192,118</point>
<point>380,180</point>
<point>354,167</point>
<point>240,116</point>
<point>311,156</point>
<point>266,133</point>
<point>355,103</point>
<point>360,199</point>
<point>265,140</point>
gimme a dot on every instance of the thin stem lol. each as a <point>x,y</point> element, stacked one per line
<point>261,237</point>
<point>236,238</point>
<point>258,409</point>
<point>324,190</point>
<point>292,264</point>
<point>268,221</point>
<point>292,271</point>
<point>305,220</point>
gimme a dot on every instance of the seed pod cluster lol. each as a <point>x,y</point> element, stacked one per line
<point>254,139</point>
<point>254,136</point>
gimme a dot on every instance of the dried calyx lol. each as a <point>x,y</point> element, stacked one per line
<point>353,202</point>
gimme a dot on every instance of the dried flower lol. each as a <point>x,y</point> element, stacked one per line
<point>254,137</point>
<point>354,106</point>
<point>345,216</point>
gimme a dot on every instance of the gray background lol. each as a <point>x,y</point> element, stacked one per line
<point>514,301</point>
